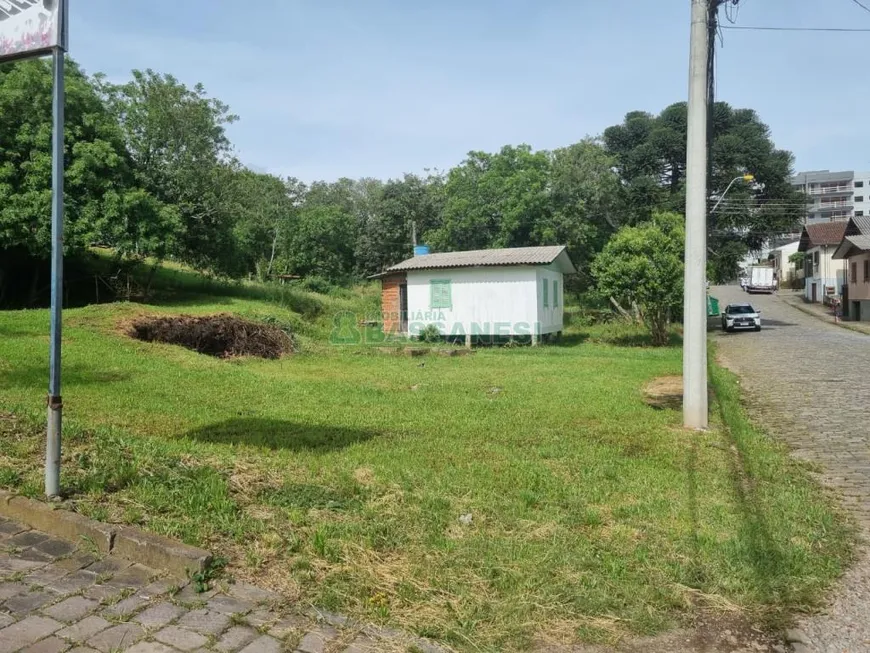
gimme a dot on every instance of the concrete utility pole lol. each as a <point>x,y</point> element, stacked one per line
<point>695,293</point>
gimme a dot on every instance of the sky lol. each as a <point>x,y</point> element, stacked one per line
<point>377,88</point>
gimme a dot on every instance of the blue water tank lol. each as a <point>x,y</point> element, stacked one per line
<point>421,250</point>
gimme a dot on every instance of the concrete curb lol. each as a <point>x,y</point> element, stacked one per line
<point>151,550</point>
<point>825,318</point>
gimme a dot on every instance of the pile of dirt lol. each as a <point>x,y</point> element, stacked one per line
<point>222,335</point>
<point>665,392</point>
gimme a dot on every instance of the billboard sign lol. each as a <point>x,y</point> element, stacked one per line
<point>30,28</point>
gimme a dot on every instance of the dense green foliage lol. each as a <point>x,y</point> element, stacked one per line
<point>151,174</point>
<point>651,155</point>
<point>643,266</point>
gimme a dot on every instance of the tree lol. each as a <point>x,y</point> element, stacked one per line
<point>267,208</point>
<point>494,200</point>
<point>177,140</point>
<point>321,243</point>
<point>385,234</point>
<point>650,154</point>
<point>643,265</point>
<point>104,203</point>
<point>586,201</point>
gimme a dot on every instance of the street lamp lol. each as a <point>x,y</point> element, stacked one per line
<point>747,178</point>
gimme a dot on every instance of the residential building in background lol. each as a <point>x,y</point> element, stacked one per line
<point>824,276</point>
<point>783,267</point>
<point>834,196</point>
<point>855,251</point>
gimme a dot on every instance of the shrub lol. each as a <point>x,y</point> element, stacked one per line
<point>643,265</point>
<point>430,333</point>
<point>317,284</point>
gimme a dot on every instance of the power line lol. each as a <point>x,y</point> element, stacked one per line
<point>862,5</point>
<point>752,205</point>
<point>771,28</point>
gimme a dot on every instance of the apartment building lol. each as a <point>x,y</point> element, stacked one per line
<point>834,196</point>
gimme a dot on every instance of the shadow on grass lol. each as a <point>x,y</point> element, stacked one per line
<point>280,434</point>
<point>630,340</point>
<point>184,299</point>
<point>9,332</point>
<point>37,375</point>
<point>695,570</point>
<point>771,567</point>
<point>643,340</point>
<point>571,340</point>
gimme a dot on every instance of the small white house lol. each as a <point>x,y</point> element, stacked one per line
<point>478,294</point>
<point>782,266</point>
<point>823,275</point>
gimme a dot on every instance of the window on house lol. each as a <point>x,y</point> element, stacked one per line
<point>555,294</point>
<point>546,293</point>
<point>441,295</point>
<point>859,184</point>
<point>859,198</point>
<point>859,214</point>
<point>866,271</point>
<point>853,273</point>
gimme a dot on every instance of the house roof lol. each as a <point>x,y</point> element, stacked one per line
<point>852,245</point>
<point>856,239</point>
<point>863,224</point>
<point>822,233</point>
<point>488,258</point>
<point>860,242</point>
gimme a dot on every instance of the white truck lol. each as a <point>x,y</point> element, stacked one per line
<point>762,278</point>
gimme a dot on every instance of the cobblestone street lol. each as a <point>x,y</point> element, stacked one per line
<point>808,382</point>
<point>54,599</point>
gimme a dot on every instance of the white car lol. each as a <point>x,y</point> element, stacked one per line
<point>740,316</point>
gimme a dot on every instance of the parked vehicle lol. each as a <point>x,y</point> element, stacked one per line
<point>740,316</point>
<point>762,278</point>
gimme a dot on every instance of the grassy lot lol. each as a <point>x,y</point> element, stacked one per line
<point>338,475</point>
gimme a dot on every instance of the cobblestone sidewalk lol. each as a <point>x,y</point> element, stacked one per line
<point>57,599</point>
<point>808,382</point>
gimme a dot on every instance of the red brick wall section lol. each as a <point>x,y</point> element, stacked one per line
<point>390,302</point>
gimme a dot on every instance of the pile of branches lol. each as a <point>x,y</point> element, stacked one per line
<point>224,336</point>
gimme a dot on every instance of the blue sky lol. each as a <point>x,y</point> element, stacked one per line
<point>332,88</point>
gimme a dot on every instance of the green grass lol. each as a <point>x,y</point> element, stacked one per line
<point>338,475</point>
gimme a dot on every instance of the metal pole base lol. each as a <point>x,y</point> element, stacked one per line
<point>52,447</point>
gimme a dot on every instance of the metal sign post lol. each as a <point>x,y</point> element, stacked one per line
<point>55,403</point>
<point>28,29</point>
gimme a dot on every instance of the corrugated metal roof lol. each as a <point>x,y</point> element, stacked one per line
<point>863,223</point>
<point>822,233</point>
<point>861,242</point>
<point>482,257</point>
<point>850,244</point>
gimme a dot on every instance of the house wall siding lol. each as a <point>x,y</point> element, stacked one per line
<point>829,272</point>
<point>485,301</point>
<point>859,290</point>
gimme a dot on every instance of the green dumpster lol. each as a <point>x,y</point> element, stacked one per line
<point>712,306</point>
